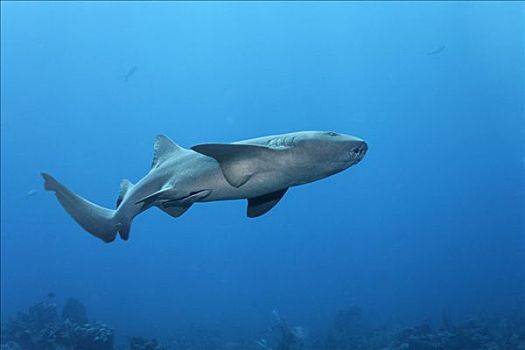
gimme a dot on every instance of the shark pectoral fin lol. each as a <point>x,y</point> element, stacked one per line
<point>238,162</point>
<point>258,206</point>
<point>163,149</point>
<point>175,211</point>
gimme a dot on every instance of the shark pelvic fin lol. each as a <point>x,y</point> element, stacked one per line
<point>151,198</point>
<point>258,206</point>
<point>163,149</point>
<point>239,162</point>
<point>177,207</point>
<point>175,211</point>
<point>189,199</point>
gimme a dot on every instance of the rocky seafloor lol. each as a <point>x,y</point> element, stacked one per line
<point>42,328</point>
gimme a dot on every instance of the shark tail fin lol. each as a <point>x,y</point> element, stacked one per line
<point>100,222</point>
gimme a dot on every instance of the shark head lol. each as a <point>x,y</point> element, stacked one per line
<point>327,152</point>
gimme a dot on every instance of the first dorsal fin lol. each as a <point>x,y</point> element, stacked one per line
<point>125,186</point>
<point>239,162</point>
<point>163,149</point>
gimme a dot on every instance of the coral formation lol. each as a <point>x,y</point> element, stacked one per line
<point>40,328</point>
<point>480,334</point>
<point>74,311</point>
<point>198,337</point>
<point>33,330</point>
<point>284,336</point>
<point>87,336</point>
<point>138,343</point>
<point>10,346</point>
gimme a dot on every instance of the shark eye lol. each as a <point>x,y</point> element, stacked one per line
<point>331,133</point>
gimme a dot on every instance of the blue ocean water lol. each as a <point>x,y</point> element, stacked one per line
<point>430,222</point>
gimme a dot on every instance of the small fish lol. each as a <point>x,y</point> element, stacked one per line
<point>51,295</point>
<point>437,50</point>
<point>31,193</point>
<point>130,73</point>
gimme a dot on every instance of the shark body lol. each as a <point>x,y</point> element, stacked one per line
<point>260,170</point>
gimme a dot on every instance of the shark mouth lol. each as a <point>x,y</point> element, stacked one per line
<point>358,153</point>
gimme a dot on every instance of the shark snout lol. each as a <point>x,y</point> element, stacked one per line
<point>358,151</point>
<point>363,147</point>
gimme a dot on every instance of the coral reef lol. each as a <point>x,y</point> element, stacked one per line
<point>87,336</point>
<point>198,337</point>
<point>74,311</point>
<point>480,334</point>
<point>10,346</point>
<point>33,330</point>
<point>41,329</point>
<point>284,336</point>
<point>138,343</point>
<point>348,320</point>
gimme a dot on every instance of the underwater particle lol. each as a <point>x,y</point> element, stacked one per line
<point>437,50</point>
<point>132,70</point>
<point>31,193</point>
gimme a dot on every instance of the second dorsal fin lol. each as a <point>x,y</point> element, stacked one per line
<point>163,149</point>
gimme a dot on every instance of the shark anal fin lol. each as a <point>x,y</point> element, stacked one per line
<point>125,186</point>
<point>258,206</point>
<point>163,149</point>
<point>239,162</point>
<point>123,230</point>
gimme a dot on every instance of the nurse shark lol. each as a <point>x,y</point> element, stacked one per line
<point>260,170</point>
